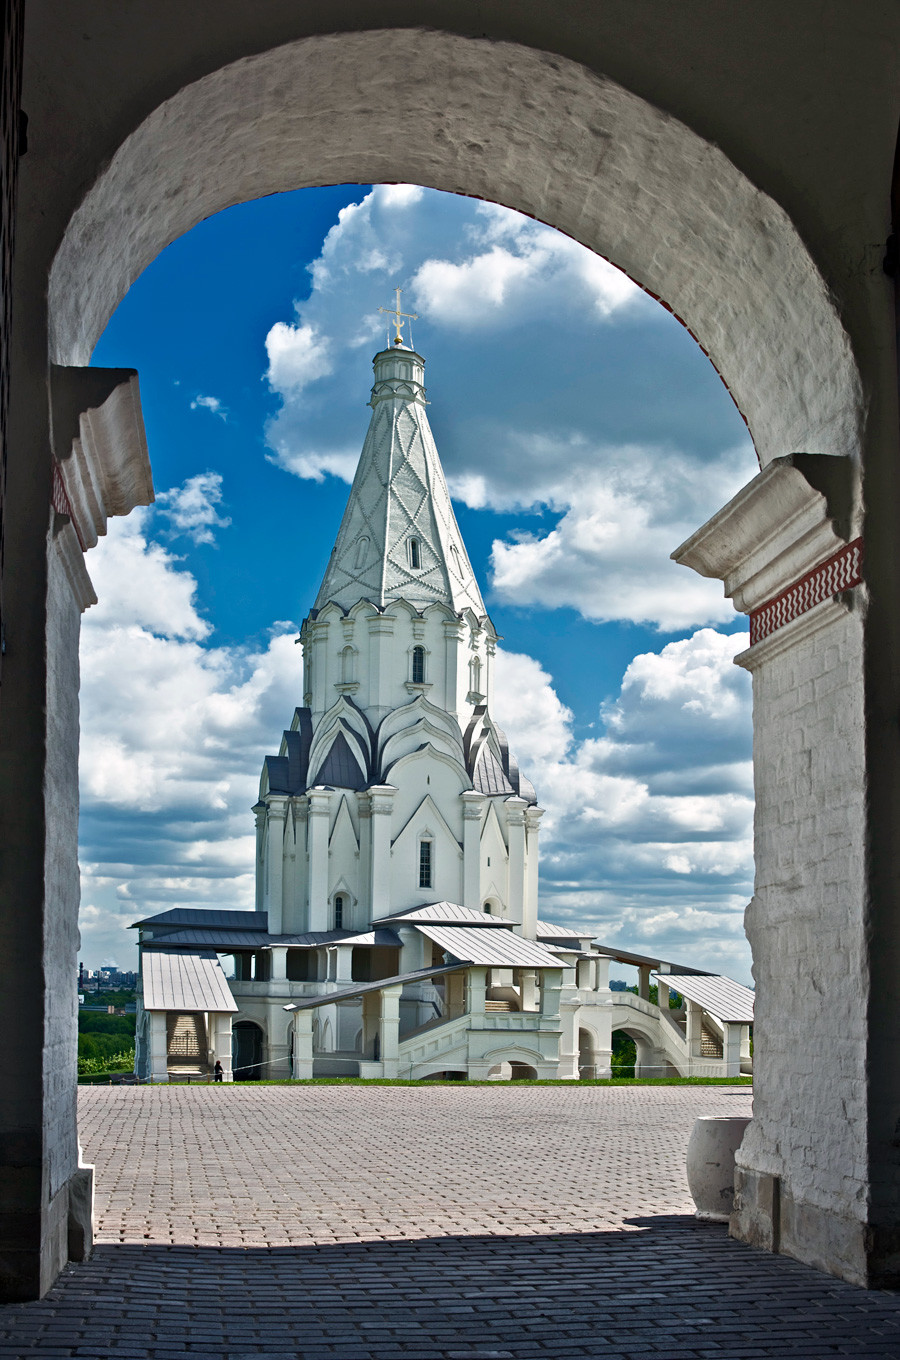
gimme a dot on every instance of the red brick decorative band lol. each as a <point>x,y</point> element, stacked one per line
<point>59,499</point>
<point>840,572</point>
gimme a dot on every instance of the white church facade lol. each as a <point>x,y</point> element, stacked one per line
<point>397,930</point>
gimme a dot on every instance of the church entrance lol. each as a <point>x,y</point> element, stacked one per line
<point>247,1051</point>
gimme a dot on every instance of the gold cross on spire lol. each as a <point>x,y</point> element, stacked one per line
<point>398,316</point>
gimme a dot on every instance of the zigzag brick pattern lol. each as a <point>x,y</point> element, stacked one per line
<point>840,572</point>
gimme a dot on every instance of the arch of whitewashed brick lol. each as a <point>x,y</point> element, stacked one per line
<point>502,122</point>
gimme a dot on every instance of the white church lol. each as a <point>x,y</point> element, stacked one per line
<point>397,929</point>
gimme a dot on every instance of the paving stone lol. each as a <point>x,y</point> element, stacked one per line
<point>390,1223</point>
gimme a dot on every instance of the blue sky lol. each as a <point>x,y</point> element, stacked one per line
<point>583,434</point>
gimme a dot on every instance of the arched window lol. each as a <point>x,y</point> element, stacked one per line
<point>426,865</point>
<point>418,665</point>
<point>475,675</point>
<point>347,665</point>
<point>362,552</point>
<point>339,912</point>
<point>415,557</point>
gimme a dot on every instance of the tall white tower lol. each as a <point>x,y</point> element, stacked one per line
<point>393,787</point>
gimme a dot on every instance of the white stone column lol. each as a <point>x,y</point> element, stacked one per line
<point>303,1044</point>
<point>276,809</point>
<point>693,1033</point>
<point>663,998</point>
<point>278,1021</point>
<point>278,965</point>
<point>644,981</point>
<point>568,1069</point>
<point>551,986</point>
<point>260,818</point>
<point>601,973</point>
<point>381,803</point>
<point>318,813</point>
<point>343,971</point>
<point>220,1026</point>
<point>515,821</point>
<point>389,1030</point>
<point>476,990</point>
<point>159,1055</point>
<point>731,1050</point>
<point>528,991</point>
<point>533,817</point>
<point>473,810</point>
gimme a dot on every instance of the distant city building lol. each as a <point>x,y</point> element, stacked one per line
<point>396,930</point>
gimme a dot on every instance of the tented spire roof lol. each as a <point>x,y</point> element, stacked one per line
<point>399,537</point>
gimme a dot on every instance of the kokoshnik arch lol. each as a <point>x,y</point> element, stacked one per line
<point>145,120</point>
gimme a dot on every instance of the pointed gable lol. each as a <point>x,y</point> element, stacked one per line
<point>340,767</point>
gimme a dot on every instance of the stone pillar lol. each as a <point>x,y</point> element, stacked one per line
<point>644,981</point>
<point>528,989</point>
<point>601,974</point>
<point>476,990</point>
<point>303,1044</point>
<point>276,809</point>
<point>389,1030</point>
<point>731,1050</point>
<point>693,1033</point>
<point>259,812</point>
<point>515,821</point>
<point>159,1055</point>
<point>371,1027</point>
<point>584,969</point>
<point>473,804</point>
<point>381,804</point>
<point>568,1039</point>
<point>551,986</point>
<point>278,965</point>
<point>220,1031</point>
<point>343,969</point>
<point>318,812</point>
<point>814,1178</point>
<point>364,806</point>
<point>533,816</point>
<point>663,997</point>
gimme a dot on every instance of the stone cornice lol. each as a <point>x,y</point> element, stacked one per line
<point>100,446</point>
<point>792,517</point>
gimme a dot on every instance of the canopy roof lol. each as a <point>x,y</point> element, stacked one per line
<point>442,913</point>
<point>490,948</point>
<point>185,982</point>
<point>728,1001</point>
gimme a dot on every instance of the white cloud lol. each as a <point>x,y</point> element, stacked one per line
<point>648,830</point>
<point>516,268</point>
<point>298,355</point>
<point>315,465</point>
<point>192,508</point>
<point>173,735</point>
<point>211,404</point>
<point>608,554</point>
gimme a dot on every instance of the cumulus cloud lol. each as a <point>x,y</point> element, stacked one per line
<point>647,835</point>
<point>173,733</point>
<point>211,404</point>
<point>193,507</point>
<point>516,267</point>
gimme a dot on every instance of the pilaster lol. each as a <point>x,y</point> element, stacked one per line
<point>276,811</point>
<point>473,812</point>
<point>318,807</point>
<point>515,821</point>
<point>381,806</point>
<point>533,817</point>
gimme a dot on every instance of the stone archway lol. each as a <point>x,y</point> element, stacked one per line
<point>548,136</point>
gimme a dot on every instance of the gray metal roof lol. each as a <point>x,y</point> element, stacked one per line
<point>490,948</point>
<point>224,941</point>
<point>348,993</point>
<point>489,777</point>
<point>549,930</point>
<point>649,960</point>
<point>185,982</point>
<point>208,917</point>
<point>442,913</point>
<point>341,768</point>
<point>730,1002</point>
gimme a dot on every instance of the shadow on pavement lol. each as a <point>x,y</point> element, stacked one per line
<point>667,1286</point>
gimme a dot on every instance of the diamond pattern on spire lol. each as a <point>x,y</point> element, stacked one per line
<point>399,493</point>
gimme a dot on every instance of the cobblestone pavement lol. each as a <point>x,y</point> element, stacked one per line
<point>434,1223</point>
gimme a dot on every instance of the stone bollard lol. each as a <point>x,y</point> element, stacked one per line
<point>710,1164</point>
